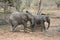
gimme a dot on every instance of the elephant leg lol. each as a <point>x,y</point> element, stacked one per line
<point>14,25</point>
<point>32,25</point>
<point>42,26</point>
<point>25,26</point>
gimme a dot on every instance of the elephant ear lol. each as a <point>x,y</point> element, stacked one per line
<point>43,14</point>
<point>27,12</point>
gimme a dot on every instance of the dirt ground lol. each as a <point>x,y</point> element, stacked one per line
<point>53,33</point>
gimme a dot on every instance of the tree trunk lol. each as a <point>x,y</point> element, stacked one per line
<point>39,7</point>
<point>18,2</point>
<point>5,9</point>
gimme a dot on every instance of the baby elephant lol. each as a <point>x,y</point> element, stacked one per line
<point>18,18</point>
<point>39,19</point>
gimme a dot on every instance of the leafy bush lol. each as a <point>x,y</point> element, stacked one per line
<point>57,1</point>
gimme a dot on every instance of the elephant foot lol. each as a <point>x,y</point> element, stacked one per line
<point>33,30</point>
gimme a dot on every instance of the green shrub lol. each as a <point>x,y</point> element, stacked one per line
<point>57,1</point>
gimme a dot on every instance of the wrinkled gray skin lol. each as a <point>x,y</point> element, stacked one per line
<point>37,20</point>
<point>46,19</point>
<point>18,18</point>
<point>40,19</point>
